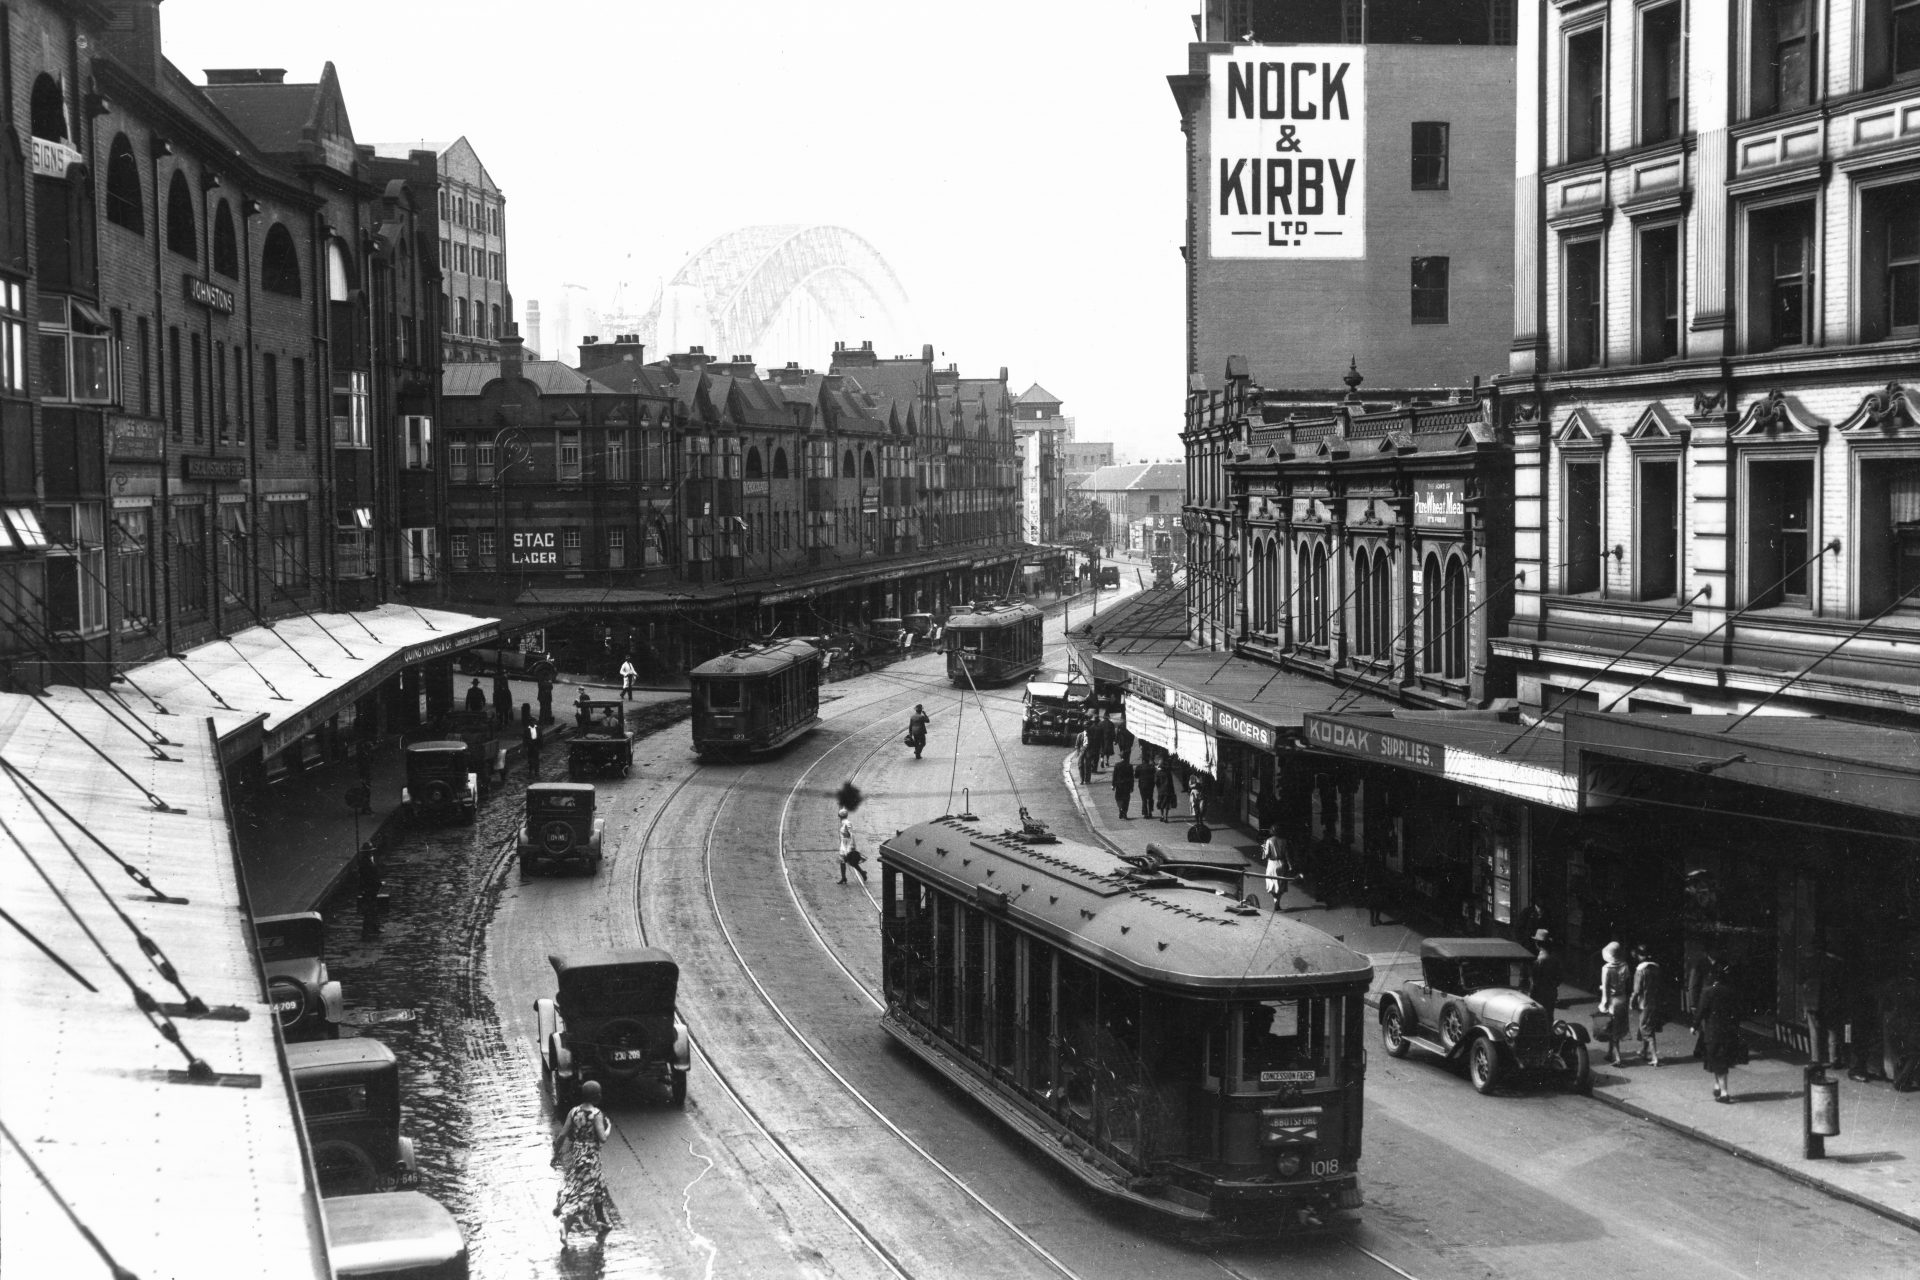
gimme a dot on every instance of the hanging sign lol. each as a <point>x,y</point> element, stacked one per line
<point>1288,165</point>
<point>1439,504</point>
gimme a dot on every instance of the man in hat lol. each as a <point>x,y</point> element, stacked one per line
<point>1545,987</point>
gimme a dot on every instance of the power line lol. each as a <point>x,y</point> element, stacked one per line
<point>86,1232</point>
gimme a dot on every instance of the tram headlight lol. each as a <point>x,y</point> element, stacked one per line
<point>1288,1165</point>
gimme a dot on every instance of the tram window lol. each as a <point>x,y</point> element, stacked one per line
<point>1125,1102</point>
<point>945,960</point>
<point>916,942</point>
<point>973,981</point>
<point>1280,1040</point>
<point>1173,1034</point>
<point>1079,1035</point>
<point>1039,1017</point>
<point>970,640</point>
<point>723,695</point>
<point>1006,996</point>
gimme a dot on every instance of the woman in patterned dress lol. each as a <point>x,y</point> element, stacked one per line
<point>583,1196</point>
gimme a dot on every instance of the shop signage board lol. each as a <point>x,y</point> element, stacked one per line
<point>538,549</point>
<point>1187,707</point>
<point>195,466</point>
<point>133,439</point>
<point>1439,504</point>
<point>1152,690</point>
<point>1149,722</point>
<point>1236,726</point>
<point>209,295</point>
<point>1370,743</point>
<point>1288,177</point>
<point>52,159</point>
<point>753,488</point>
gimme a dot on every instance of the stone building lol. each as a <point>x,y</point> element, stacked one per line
<point>471,213</point>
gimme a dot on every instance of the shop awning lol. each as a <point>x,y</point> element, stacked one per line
<point>1865,765</point>
<point>750,592</point>
<point>1471,748</point>
<point>1149,624</point>
<point>1228,696</point>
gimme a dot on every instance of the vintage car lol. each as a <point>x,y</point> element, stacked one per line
<point>396,1235</point>
<point>293,952</point>
<point>1057,708</point>
<point>1109,576</point>
<point>601,742</point>
<point>441,782</point>
<point>1470,1004</point>
<point>350,1095</point>
<point>560,827</point>
<point>614,1021</point>
<point>525,657</point>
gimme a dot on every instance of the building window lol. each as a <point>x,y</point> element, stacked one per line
<point>1430,290</point>
<point>280,263</point>
<point>1888,500</point>
<point>287,535</point>
<point>457,459</point>
<point>76,351</point>
<point>1659,300</point>
<point>498,332</point>
<point>460,316</point>
<point>570,548</point>
<point>1892,42</point>
<point>353,543</point>
<point>1373,600</point>
<point>569,461</point>
<point>1780,277</point>
<point>616,548</point>
<point>446,254</point>
<point>1429,155</point>
<point>1779,534</point>
<point>133,566</point>
<point>143,335</point>
<point>221,422</point>
<point>181,237</point>
<point>484,542</point>
<point>190,557</point>
<point>1890,261</point>
<point>231,563</point>
<point>422,560</point>
<point>483,451</point>
<point>1580,528</point>
<point>1657,528</point>
<point>199,376</point>
<point>458,545</point>
<point>350,408</point>
<point>1453,620</point>
<point>1583,292</point>
<point>173,379</point>
<point>1660,76</point>
<point>13,339</point>
<point>1783,57</point>
<point>126,205</point>
<point>419,434</point>
<point>226,247</point>
<point>76,568</point>
<point>617,465</point>
<point>1586,93</point>
<point>443,209</point>
<point>299,403</point>
<point>270,389</point>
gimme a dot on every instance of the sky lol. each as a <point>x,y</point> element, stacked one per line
<point>1018,165</point>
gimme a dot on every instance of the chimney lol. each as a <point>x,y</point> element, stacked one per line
<point>132,35</point>
<point>861,357</point>
<point>691,358</point>
<point>533,326</point>
<point>246,75</point>
<point>512,360</point>
<point>926,354</point>
<point>595,354</point>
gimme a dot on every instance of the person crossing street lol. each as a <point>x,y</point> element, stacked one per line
<point>916,733</point>
<point>628,674</point>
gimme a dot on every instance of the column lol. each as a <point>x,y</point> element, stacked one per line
<point>1711,53</point>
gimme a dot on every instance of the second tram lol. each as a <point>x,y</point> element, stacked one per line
<point>1175,1048</point>
<point>756,698</point>
<point>1162,557</point>
<point>993,643</point>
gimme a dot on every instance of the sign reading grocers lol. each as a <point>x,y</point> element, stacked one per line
<point>1289,152</point>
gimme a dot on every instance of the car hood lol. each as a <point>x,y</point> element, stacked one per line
<point>1499,1004</point>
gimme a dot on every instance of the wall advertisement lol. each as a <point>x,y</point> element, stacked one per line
<point>1287,175</point>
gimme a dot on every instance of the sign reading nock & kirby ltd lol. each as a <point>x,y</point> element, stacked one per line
<point>1288,140</point>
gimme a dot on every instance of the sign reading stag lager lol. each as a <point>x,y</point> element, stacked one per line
<point>1289,152</point>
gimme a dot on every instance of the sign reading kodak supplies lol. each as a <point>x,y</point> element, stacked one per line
<point>1373,743</point>
<point>1288,141</point>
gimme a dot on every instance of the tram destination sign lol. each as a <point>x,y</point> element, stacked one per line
<point>1371,743</point>
<point>1288,170</point>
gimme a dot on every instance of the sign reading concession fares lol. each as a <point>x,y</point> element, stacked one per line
<point>1289,152</point>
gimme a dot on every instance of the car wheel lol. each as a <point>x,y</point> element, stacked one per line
<point>1483,1065</point>
<point>564,1091</point>
<point>679,1089</point>
<point>344,1168</point>
<point>1577,1065</point>
<point>1393,1032</point>
<point>526,868</point>
<point>1026,739</point>
<point>1453,1026</point>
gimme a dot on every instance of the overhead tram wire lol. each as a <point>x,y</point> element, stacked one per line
<point>86,1233</point>
<point>1357,694</point>
<point>1845,640</point>
<point>134,873</point>
<point>260,621</point>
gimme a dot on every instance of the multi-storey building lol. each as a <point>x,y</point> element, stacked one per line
<point>476,305</point>
<point>1042,431</point>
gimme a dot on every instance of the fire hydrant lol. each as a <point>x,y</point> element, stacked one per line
<point>1821,1110</point>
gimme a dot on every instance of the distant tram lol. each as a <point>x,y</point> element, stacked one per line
<point>1162,557</point>
<point>993,643</point>
<point>756,698</point>
<point>1170,1046</point>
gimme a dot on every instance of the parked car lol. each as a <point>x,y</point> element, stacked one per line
<point>533,662</point>
<point>601,742</point>
<point>1057,708</point>
<point>350,1095</point>
<point>1470,1004</point>
<point>560,827</point>
<point>441,782</point>
<point>614,1020</point>
<point>293,951</point>
<point>396,1235</point>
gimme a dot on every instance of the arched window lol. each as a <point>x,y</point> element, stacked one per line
<point>280,263</point>
<point>181,236</point>
<point>497,330</point>
<point>49,109</point>
<point>867,471</point>
<point>1320,594</point>
<point>1303,596</point>
<point>754,469</point>
<point>847,467</point>
<point>1430,655</point>
<point>1275,564</point>
<point>779,464</point>
<point>1363,638</point>
<point>226,248</point>
<point>339,273</point>
<point>1256,591</point>
<point>1382,581</point>
<point>126,206</point>
<point>1456,620</point>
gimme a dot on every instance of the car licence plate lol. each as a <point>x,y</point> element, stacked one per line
<point>628,1055</point>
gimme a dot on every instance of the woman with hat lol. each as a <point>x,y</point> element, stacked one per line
<point>1721,1048</point>
<point>1545,987</point>
<point>1615,979</point>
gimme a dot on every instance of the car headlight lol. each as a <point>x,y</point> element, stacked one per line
<point>1288,1165</point>
<point>1513,1029</point>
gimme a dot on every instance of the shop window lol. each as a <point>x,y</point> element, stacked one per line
<point>287,538</point>
<point>126,205</point>
<point>1779,534</point>
<point>76,568</point>
<point>1888,527</point>
<point>1657,532</point>
<point>76,351</point>
<point>1890,261</point>
<point>1891,47</point>
<point>1583,290</point>
<point>1780,276</point>
<point>1659,292</point>
<point>226,246</point>
<point>1430,155</point>
<point>181,236</point>
<point>1661,35</point>
<point>1782,57</point>
<point>1585,93</point>
<point>190,557</point>
<point>280,263</point>
<point>133,566</point>
<point>1580,528</point>
<point>350,408</point>
<point>1430,290</point>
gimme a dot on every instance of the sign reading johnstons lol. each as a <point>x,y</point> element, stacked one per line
<point>1289,151</point>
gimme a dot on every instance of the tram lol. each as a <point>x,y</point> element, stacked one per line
<point>993,643</point>
<point>1162,557</point>
<point>756,698</point>
<point>1172,1046</point>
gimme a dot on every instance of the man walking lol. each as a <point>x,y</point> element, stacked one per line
<point>1278,865</point>
<point>1122,740</point>
<point>628,674</point>
<point>1123,784</point>
<point>530,732</point>
<point>502,700</point>
<point>917,729</point>
<point>476,696</point>
<point>1083,749</point>
<point>1103,740</point>
<point>1143,779</point>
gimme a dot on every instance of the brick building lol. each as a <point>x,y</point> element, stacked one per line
<point>471,211</point>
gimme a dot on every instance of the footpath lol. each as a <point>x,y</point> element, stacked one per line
<point>300,845</point>
<point>1874,1162</point>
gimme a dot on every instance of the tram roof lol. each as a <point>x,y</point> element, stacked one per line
<point>1151,927</point>
<point>992,615</point>
<point>757,659</point>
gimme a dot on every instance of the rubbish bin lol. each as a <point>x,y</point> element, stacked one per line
<point>1820,1110</point>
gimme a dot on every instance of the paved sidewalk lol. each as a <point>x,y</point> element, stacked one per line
<point>1875,1162</point>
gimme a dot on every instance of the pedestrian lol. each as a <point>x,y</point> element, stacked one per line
<point>1103,739</point>
<point>1123,740</point>
<point>530,734</point>
<point>1122,780</point>
<point>1278,859</point>
<point>1143,780</point>
<point>1721,1048</point>
<point>476,696</point>
<point>1615,980</point>
<point>850,855</point>
<point>581,708</point>
<point>1650,1000</point>
<point>1544,985</point>
<point>628,674</point>
<point>546,699</point>
<point>1083,750</point>
<point>502,700</point>
<point>583,1198</point>
<point>1166,790</point>
<point>917,729</point>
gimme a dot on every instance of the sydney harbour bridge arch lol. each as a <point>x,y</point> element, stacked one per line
<point>780,293</point>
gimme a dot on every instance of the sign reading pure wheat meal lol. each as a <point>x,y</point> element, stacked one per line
<point>1439,504</point>
<point>1289,152</point>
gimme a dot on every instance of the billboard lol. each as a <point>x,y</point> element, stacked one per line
<point>1288,165</point>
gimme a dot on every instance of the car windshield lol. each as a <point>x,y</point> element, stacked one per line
<point>1480,974</point>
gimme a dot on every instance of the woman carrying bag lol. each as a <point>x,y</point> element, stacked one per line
<point>1615,982</point>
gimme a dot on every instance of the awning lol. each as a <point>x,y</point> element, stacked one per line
<point>1473,749</point>
<point>1151,623</point>
<point>1865,765</point>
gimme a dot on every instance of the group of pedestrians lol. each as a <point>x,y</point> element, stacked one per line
<point>1157,780</point>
